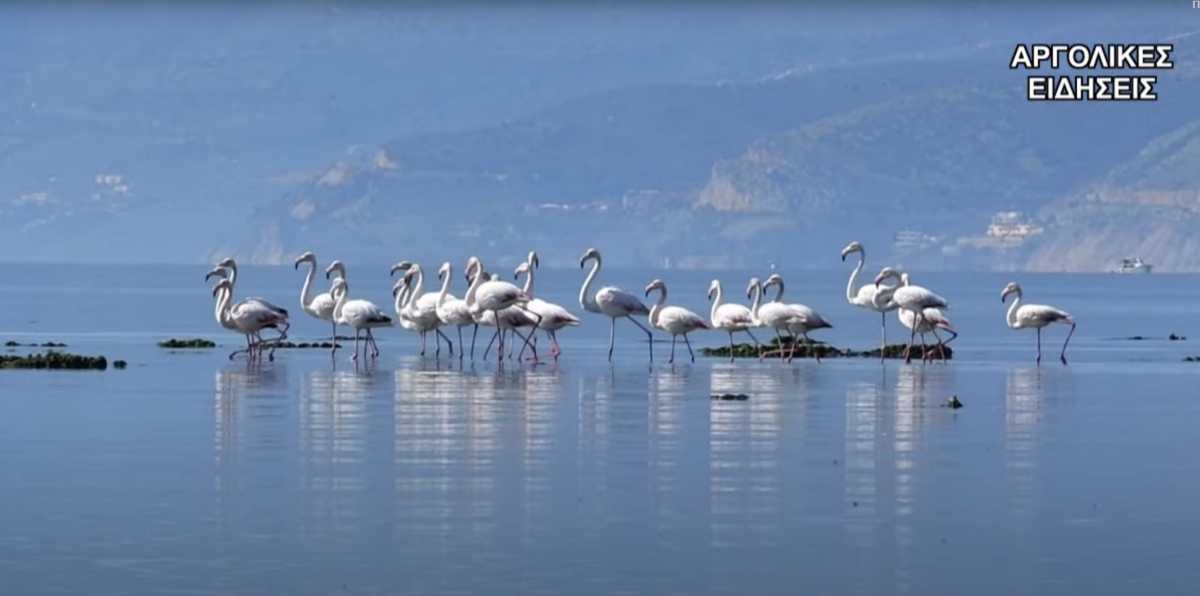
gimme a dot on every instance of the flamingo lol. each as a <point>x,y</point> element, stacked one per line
<point>450,310</point>
<point>866,294</point>
<point>1024,316</point>
<point>248,317</point>
<point>360,315</point>
<point>495,295</point>
<point>611,302</point>
<point>675,320</point>
<point>321,305</point>
<point>225,322</point>
<point>227,269</point>
<point>730,317</point>
<point>421,308</point>
<point>914,299</point>
<point>554,316</point>
<point>795,318</point>
<point>932,319</point>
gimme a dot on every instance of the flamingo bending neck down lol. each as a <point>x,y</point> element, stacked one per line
<point>869,295</point>
<point>675,320</point>
<point>731,317</point>
<point>611,302</point>
<point>1024,316</point>
<point>321,305</point>
<point>914,299</point>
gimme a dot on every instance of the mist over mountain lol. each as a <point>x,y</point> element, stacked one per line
<point>667,135</point>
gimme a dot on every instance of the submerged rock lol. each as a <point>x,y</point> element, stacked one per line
<point>731,396</point>
<point>187,343</point>
<point>119,364</point>
<point>772,349</point>
<point>306,344</point>
<point>54,360</point>
<point>953,403</point>
<point>49,344</point>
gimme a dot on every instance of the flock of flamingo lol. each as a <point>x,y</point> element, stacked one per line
<point>492,302</point>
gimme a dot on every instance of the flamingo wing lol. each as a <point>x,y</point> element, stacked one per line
<point>1040,315</point>
<point>677,320</point>
<point>615,302</point>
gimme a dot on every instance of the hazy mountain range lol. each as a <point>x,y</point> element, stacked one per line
<point>666,135</point>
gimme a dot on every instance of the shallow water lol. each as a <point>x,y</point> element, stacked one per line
<point>189,473</point>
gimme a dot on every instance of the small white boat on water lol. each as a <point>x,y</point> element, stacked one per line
<point>1134,265</point>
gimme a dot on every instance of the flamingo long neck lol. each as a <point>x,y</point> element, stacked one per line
<point>586,300</point>
<point>232,275</point>
<point>757,301</point>
<point>712,313</point>
<point>657,308</point>
<point>306,291</point>
<point>417,289</point>
<point>850,285</point>
<point>779,294</point>
<point>445,288</point>
<point>475,283</point>
<point>528,289</point>
<point>222,309</point>
<point>341,301</point>
<point>1011,317</point>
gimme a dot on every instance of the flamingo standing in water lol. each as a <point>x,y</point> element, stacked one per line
<point>495,296</point>
<point>730,317</point>
<point>421,308</point>
<point>321,305</point>
<point>796,319</point>
<point>675,320</point>
<point>1036,316</point>
<point>932,319</point>
<point>866,295</point>
<point>914,299</point>
<point>248,317</point>
<point>611,302</point>
<point>227,269</point>
<point>554,317</point>
<point>451,311</point>
<point>361,315</point>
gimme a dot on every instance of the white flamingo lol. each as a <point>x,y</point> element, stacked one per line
<point>227,269</point>
<point>451,311</point>
<point>221,274</point>
<point>361,315</point>
<point>554,316</point>
<point>796,319</point>
<point>248,317</point>
<point>865,296</point>
<point>932,319</point>
<point>1036,316</point>
<point>421,308</point>
<point>730,317</point>
<point>611,302</point>
<point>495,295</point>
<point>487,318</point>
<point>675,320</point>
<point>912,298</point>
<point>321,305</point>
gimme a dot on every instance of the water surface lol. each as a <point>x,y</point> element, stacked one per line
<point>187,473</point>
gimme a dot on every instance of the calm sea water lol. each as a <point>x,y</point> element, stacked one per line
<point>188,473</point>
